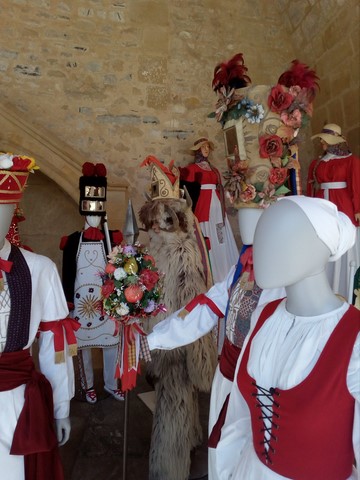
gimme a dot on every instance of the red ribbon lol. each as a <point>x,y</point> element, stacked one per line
<point>246,260</point>
<point>58,327</point>
<point>93,233</point>
<point>202,299</point>
<point>130,369</point>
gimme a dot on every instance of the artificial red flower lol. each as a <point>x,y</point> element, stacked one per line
<point>150,258</point>
<point>277,176</point>
<point>279,100</point>
<point>107,288</point>
<point>270,146</point>
<point>110,268</point>
<point>149,279</point>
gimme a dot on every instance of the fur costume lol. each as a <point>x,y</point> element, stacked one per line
<point>181,373</point>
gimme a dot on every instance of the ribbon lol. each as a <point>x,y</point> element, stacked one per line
<point>128,366</point>
<point>93,233</point>
<point>201,299</point>
<point>246,260</point>
<point>58,328</point>
<point>5,266</point>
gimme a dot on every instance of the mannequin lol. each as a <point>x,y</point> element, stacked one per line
<point>47,303</point>
<point>204,181</point>
<point>201,317</point>
<point>294,240</point>
<point>84,256</point>
<point>335,176</point>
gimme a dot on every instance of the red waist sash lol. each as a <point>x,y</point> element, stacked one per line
<point>34,435</point>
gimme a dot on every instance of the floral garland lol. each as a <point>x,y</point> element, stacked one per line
<point>132,285</point>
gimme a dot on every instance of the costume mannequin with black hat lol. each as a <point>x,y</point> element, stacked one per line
<point>210,209</point>
<point>335,176</point>
<point>32,303</point>
<point>84,257</point>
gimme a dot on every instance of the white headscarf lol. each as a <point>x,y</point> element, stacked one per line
<point>334,228</point>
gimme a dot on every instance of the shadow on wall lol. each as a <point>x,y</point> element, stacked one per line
<point>50,213</point>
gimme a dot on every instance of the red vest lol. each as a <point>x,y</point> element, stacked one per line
<point>312,423</point>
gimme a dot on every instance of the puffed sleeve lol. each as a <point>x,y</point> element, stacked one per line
<point>178,330</point>
<point>54,307</point>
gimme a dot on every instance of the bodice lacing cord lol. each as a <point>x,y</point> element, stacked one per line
<point>267,416</point>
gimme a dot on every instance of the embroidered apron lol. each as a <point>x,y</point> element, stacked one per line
<point>96,330</point>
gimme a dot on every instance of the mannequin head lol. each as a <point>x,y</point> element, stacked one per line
<point>296,237</point>
<point>6,215</point>
<point>92,221</point>
<point>247,220</point>
<point>286,247</point>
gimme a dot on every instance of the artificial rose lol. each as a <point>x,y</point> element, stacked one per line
<point>248,194</point>
<point>279,100</point>
<point>292,119</point>
<point>110,268</point>
<point>270,146</point>
<point>149,279</point>
<point>149,258</point>
<point>6,161</point>
<point>107,288</point>
<point>277,176</point>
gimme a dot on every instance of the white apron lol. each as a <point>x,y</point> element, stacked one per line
<point>96,330</point>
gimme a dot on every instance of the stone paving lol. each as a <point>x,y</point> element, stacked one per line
<point>95,448</point>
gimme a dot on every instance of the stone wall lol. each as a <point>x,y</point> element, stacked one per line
<point>117,81</point>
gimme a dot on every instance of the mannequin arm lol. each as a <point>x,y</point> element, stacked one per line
<point>63,428</point>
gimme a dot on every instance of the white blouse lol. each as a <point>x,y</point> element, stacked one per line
<point>282,353</point>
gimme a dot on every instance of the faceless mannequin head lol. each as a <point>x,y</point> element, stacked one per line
<point>287,248</point>
<point>247,220</point>
<point>92,221</point>
<point>6,215</point>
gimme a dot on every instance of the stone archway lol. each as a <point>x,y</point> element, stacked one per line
<point>57,183</point>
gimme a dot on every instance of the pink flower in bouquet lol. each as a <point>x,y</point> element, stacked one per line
<point>149,279</point>
<point>107,288</point>
<point>292,119</point>
<point>248,194</point>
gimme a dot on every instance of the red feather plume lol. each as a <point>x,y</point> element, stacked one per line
<point>301,75</point>
<point>231,74</point>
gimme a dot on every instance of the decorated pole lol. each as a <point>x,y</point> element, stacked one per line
<point>130,234</point>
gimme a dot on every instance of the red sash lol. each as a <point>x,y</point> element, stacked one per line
<point>34,435</point>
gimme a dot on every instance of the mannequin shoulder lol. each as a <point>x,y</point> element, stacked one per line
<point>38,261</point>
<point>68,240</point>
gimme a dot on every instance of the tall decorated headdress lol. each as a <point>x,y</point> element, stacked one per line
<point>164,181</point>
<point>261,126</point>
<point>14,172</point>
<point>93,186</point>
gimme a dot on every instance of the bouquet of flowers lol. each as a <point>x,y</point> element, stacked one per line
<point>132,289</point>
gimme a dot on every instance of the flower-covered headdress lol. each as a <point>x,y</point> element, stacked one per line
<point>261,127</point>
<point>14,172</point>
<point>165,182</point>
